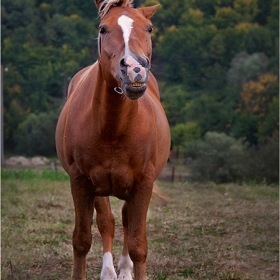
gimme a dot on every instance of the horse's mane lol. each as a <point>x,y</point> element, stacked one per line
<point>107,4</point>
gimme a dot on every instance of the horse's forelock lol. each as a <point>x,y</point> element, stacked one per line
<point>105,5</point>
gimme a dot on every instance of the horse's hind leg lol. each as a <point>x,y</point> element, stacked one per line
<point>106,226</point>
<point>83,198</point>
<point>125,264</point>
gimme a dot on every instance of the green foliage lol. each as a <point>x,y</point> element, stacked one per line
<point>217,64</point>
<point>270,124</point>
<point>31,175</point>
<point>181,133</point>
<point>175,101</point>
<point>187,272</point>
<point>35,136</point>
<point>245,67</point>
<point>261,163</point>
<point>246,126</point>
<point>260,39</point>
<point>211,47</point>
<point>256,116</point>
<point>161,276</point>
<point>59,31</point>
<point>184,64</point>
<point>220,158</point>
<point>226,17</point>
<point>43,45</point>
<point>216,158</point>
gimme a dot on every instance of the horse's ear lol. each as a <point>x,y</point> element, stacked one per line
<point>148,12</point>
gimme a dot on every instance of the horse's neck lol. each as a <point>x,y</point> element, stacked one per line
<point>113,112</point>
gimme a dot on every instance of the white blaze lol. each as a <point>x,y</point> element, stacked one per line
<point>125,23</point>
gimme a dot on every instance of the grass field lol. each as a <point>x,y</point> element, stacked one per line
<point>225,232</point>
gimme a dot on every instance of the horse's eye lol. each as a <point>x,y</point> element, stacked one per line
<point>102,30</point>
<point>150,29</point>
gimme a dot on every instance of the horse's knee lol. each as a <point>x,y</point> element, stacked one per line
<point>81,242</point>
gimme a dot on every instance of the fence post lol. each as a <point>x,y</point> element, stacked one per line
<point>54,166</point>
<point>173,174</point>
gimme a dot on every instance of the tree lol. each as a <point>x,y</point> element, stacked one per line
<point>245,67</point>
<point>248,9</point>
<point>269,126</point>
<point>221,158</point>
<point>184,132</point>
<point>214,110</point>
<point>175,101</point>
<point>209,57</point>
<point>184,64</point>
<point>218,158</point>
<point>35,135</point>
<point>256,95</point>
<point>226,17</point>
<point>41,50</point>
<point>259,39</point>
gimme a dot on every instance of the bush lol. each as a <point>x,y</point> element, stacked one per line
<point>216,159</point>
<point>262,162</point>
<point>35,135</point>
<point>221,158</point>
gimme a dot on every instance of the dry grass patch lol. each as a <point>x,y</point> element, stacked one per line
<point>215,232</point>
<point>225,232</point>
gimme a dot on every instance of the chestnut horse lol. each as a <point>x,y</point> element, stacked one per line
<point>113,138</point>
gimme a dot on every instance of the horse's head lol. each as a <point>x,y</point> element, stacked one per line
<point>124,44</point>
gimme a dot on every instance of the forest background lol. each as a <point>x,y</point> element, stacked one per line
<point>216,61</point>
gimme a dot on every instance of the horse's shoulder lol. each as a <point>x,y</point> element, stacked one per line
<point>79,78</point>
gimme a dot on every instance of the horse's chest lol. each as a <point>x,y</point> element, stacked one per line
<point>114,166</point>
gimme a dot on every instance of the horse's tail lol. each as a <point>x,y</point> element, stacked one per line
<point>158,195</point>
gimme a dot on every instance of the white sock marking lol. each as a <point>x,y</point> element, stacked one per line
<point>108,270</point>
<point>125,23</point>
<point>125,267</point>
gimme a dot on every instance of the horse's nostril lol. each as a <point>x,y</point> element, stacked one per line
<point>144,61</point>
<point>136,69</point>
<point>148,63</point>
<point>123,63</point>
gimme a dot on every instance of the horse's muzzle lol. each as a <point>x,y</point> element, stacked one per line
<point>134,75</point>
<point>134,92</point>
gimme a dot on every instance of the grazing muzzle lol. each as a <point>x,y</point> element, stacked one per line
<point>134,76</point>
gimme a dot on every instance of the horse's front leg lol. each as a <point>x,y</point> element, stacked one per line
<point>137,208</point>
<point>83,198</point>
<point>106,226</point>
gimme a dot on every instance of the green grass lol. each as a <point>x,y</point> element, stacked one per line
<point>34,175</point>
<point>217,232</point>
